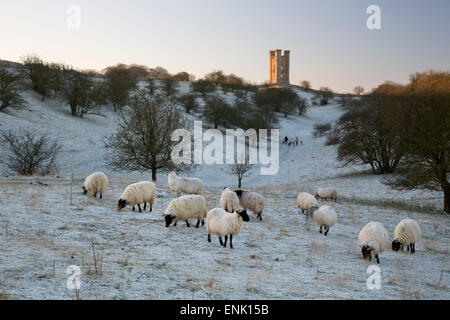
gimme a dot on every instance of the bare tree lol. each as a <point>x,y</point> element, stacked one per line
<point>358,90</point>
<point>203,87</point>
<point>189,102</point>
<point>306,84</point>
<point>39,73</point>
<point>371,136</point>
<point>10,85</point>
<point>29,153</point>
<point>169,86</point>
<point>426,136</point>
<point>216,111</point>
<point>240,170</point>
<point>143,139</point>
<point>151,86</point>
<point>81,93</point>
<point>324,94</point>
<point>119,84</point>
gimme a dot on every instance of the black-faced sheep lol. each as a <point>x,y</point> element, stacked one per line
<point>325,216</point>
<point>95,183</point>
<point>252,201</point>
<point>406,233</point>
<point>306,202</point>
<point>223,223</point>
<point>373,238</point>
<point>137,193</point>
<point>185,208</point>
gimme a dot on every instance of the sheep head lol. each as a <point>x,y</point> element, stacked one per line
<point>239,193</point>
<point>169,219</point>
<point>244,215</point>
<point>367,252</point>
<point>121,204</point>
<point>84,190</point>
<point>396,245</point>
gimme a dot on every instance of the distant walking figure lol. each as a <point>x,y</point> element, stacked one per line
<point>296,141</point>
<point>285,140</point>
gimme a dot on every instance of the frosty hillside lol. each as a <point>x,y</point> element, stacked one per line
<point>280,255</point>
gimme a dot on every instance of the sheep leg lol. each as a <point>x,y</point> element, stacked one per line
<point>259,216</point>
<point>231,241</point>
<point>175,224</point>
<point>139,206</point>
<point>407,248</point>
<point>198,223</point>
<point>378,260</point>
<point>95,195</point>
<point>225,244</point>
<point>326,230</point>
<point>209,237</point>
<point>220,241</point>
<point>413,248</point>
<point>320,230</point>
<point>203,222</point>
<point>151,207</point>
<point>101,195</point>
<point>187,224</point>
<point>133,208</point>
<point>145,205</point>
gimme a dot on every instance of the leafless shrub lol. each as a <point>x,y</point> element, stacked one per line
<point>29,153</point>
<point>320,129</point>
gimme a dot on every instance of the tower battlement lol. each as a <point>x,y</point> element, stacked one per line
<point>279,66</point>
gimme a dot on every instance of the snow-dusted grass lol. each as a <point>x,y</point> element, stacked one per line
<point>282,257</point>
<point>43,230</point>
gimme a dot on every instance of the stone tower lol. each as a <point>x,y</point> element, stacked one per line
<point>278,67</point>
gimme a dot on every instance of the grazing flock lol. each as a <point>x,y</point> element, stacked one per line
<point>228,220</point>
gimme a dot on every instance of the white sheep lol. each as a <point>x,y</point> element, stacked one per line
<point>137,193</point>
<point>373,237</point>
<point>406,233</point>
<point>223,223</point>
<point>306,202</point>
<point>252,201</point>
<point>325,217</point>
<point>180,185</point>
<point>229,200</point>
<point>185,208</point>
<point>326,193</point>
<point>97,182</point>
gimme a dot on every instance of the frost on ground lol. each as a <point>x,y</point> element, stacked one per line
<point>45,229</point>
<point>282,257</point>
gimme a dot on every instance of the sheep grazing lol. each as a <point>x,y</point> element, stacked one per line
<point>180,185</point>
<point>185,208</point>
<point>229,200</point>
<point>97,182</point>
<point>326,193</point>
<point>325,217</point>
<point>137,193</point>
<point>252,201</point>
<point>223,223</point>
<point>306,202</point>
<point>406,233</point>
<point>373,238</point>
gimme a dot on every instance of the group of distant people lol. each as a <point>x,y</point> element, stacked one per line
<point>292,142</point>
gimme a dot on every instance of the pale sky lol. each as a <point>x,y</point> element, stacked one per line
<point>329,42</point>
